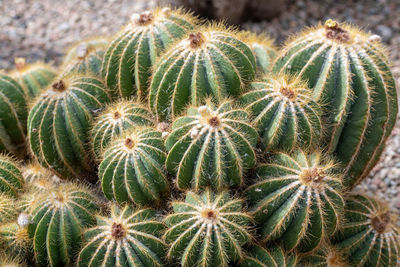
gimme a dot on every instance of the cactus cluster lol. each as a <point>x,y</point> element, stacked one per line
<point>178,142</point>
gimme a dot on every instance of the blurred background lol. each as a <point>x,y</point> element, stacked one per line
<point>43,29</point>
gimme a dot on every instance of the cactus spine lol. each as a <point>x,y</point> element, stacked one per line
<point>14,236</point>
<point>207,230</point>
<point>325,256</point>
<point>128,238</point>
<point>273,256</point>
<point>349,73</point>
<point>11,180</point>
<point>129,59</point>
<point>211,146</point>
<point>8,212</point>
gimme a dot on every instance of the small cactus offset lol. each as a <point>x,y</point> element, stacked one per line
<point>14,236</point>
<point>370,236</point>
<point>132,168</point>
<point>297,200</point>
<point>114,120</point>
<point>349,73</point>
<point>59,123</point>
<point>273,256</point>
<point>211,146</point>
<point>207,230</point>
<point>130,57</point>
<point>284,113</point>
<point>8,212</point>
<point>211,62</point>
<point>11,180</point>
<point>127,238</point>
<point>33,171</point>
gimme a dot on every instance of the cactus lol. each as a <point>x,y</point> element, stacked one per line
<point>211,146</point>
<point>11,261</point>
<point>130,57</point>
<point>114,120</point>
<point>33,171</point>
<point>211,62</point>
<point>325,256</point>
<point>297,199</point>
<point>85,57</point>
<point>11,180</point>
<point>7,208</point>
<point>58,221</point>
<point>14,237</point>
<point>369,237</point>
<point>273,256</point>
<point>13,114</point>
<point>132,168</point>
<point>285,115</point>
<point>33,78</point>
<point>207,230</point>
<point>128,237</point>
<point>349,73</point>
<point>59,123</point>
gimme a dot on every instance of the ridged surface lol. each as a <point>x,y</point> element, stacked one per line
<point>284,113</point>
<point>132,168</point>
<point>211,63</point>
<point>211,146</point>
<point>130,57</point>
<point>370,236</point>
<point>272,256</point>
<point>114,120</point>
<point>58,221</point>
<point>353,80</point>
<point>59,124</point>
<point>8,212</point>
<point>14,239</point>
<point>13,114</point>
<point>11,180</point>
<point>128,238</point>
<point>207,230</point>
<point>296,200</point>
<point>325,256</point>
<point>33,171</point>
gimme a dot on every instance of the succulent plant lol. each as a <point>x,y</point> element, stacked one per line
<point>58,221</point>
<point>129,237</point>
<point>284,113</point>
<point>132,168</point>
<point>297,199</point>
<point>349,74</point>
<point>209,63</point>
<point>13,114</point>
<point>207,229</point>
<point>130,57</point>
<point>59,123</point>
<point>115,119</point>
<point>14,238</point>
<point>8,211</point>
<point>325,256</point>
<point>211,146</point>
<point>369,236</point>
<point>11,180</point>
<point>11,261</point>
<point>272,256</point>
<point>33,171</point>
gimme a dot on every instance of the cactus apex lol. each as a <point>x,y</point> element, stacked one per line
<point>20,63</point>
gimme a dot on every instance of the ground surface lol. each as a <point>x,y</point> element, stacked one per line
<point>42,30</point>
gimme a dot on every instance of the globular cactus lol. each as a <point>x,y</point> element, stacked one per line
<point>85,57</point>
<point>8,212</point>
<point>14,237</point>
<point>211,146</point>
<point>207,230</point>
<point>11,180</point>
<point>33,171</point>
<point>369,236</point>
<point>129,237</point>
<point>130,57</point>
<point>114,120</point>
<point>59,123</point>
<point>297,200</point>
<point>325,256</point>
<point>272,256</point>
<point>349,73</point>
<point>33,78</point>
<point>11,261</point>
<point>13,114</point>
<point>210,62</point>
<point>132,168</point>
<point>284,113</point>
<point>58,221</point>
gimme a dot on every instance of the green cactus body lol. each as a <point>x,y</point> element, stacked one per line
<point>57,224</point>
<point>325,256</point>
<point>132,168</point>
<point>369,236</point>
<point>86,57</point>
<point>285,115</point>
<point>8,211</point>
<point>296,200</point>
<point>114,120</point>
<point>350,75</point>
<point>212,63</point>
<point>13,114</point>
<point>211,146</point>
<point>273,256</point>
<point>33,78</point>
<point>14,237</point>
<point>59,124</point>
<point>130,57</point>
<point>207,230</point>
<point>127,238</point>
<point>11,180</point>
